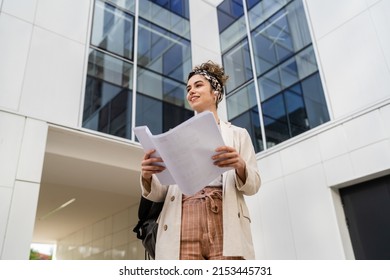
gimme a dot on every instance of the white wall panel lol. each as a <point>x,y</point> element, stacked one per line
<point>87,235</point>
<point>68,18</point>
<point>53,80</point>
<point>371,159</point>
<point>338,170</point>
<point>98,230</point>
<point>364,130</point>
<point>32,151</point>
<point>21,221</point>
<point>13,56</point>
<point>380,14</point>
<point>205,45</point>
<point>373,2</point>
<point>313,220</point>
<point>256,225</point>
<point>354,67</point>
<point>333,142</point>
<point>301,155</point>
<point>120,220</point>
<point>276,229</point>
<point>23,9</point>
<point>270,167</point>
<point>327,15</point>
<point>11,133</point>
<point>5,202</point>
<point>385,115</point>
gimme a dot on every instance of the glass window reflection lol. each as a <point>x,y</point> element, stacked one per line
<point>164,97</point>
<point>288,83</point>
<point>228,12</point>
<point>113,30</point>
<point>237,63</point>
<point>241,101</point>
<point>159,116</point>
<point>127,5</point>
<point>275,120</point>
<point>108,95</point>
<point>250,121</point>
<point>163,52</point>
<point>315,102</point>
<point>161,14</point>
<point>287,73</point>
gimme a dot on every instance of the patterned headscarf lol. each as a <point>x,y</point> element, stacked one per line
<point>215,84</point>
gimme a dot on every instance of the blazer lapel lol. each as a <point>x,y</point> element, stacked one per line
<point>227,136</point>
<point>227,133</point>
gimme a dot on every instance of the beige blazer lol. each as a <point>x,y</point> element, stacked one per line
<point>237,239</point>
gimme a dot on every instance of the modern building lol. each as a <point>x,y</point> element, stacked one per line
<point>309,80</point>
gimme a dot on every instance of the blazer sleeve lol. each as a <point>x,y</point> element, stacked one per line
<point>244,146</point>
<point>158,191</point>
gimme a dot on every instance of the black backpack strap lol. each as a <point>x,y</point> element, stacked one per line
<point>147,210</point>
<point>144,208</point>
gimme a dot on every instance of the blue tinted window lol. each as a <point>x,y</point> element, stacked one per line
<point>179,7</point>
<point>237,64</point>
<point>287,82</point>
<point>314,98</point>
<point>164,60</point>
<point>275,120</point>
<point>161,101</point>
<point>159,116</point>
<point>296,112</point>
<point>108,95</point>
<point>229,11</point>
<point>162,51</point>
<point>251,3</point>
<point>250,121</point>
<point>113,30</point>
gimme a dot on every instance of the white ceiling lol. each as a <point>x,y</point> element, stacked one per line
<point>101,173</point>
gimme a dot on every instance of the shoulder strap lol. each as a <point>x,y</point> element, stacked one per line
<point>147,210</point>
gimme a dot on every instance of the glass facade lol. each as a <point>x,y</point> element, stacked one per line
<point>138,65</point>
<point>154,49</point>
<point>274,90</point>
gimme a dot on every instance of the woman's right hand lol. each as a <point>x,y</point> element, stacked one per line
<point>150,166</point>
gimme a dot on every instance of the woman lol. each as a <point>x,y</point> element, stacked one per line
<point>213,223</point>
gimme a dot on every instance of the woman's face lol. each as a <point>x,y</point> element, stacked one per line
<point>200,95</point>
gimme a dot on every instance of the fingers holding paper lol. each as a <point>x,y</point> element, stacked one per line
<point>229,157</point>
<point>150,165</point>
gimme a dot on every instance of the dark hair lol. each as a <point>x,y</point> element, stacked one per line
<point>214,69</point>
<point>214,73</point>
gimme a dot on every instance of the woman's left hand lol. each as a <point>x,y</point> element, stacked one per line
<point>228,157</point>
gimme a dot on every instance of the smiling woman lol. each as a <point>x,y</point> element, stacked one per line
<point>213,223</point>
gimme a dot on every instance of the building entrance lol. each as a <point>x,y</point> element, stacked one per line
<point>367,210</point>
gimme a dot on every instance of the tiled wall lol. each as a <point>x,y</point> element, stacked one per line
<point>111,238</point>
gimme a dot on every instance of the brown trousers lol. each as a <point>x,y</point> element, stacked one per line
<point>201,226</point>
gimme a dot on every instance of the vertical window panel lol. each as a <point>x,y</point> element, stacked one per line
<point>238,66</point>
<point>164,60</point>
<point>250,121</point>
<point>113,30</point>
<point>161,14</point>
<point>275,120</point>
<point>241,101</point>
<point>313,95</point>
<point>163,52</point>
<point>108,96</point>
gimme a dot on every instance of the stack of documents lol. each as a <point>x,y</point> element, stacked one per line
<point>186,151</point>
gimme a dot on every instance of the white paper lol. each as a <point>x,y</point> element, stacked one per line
<point>186,151</point>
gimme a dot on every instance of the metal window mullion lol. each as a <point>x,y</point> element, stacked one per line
<point>254,73</point>
<point>135,67</point>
